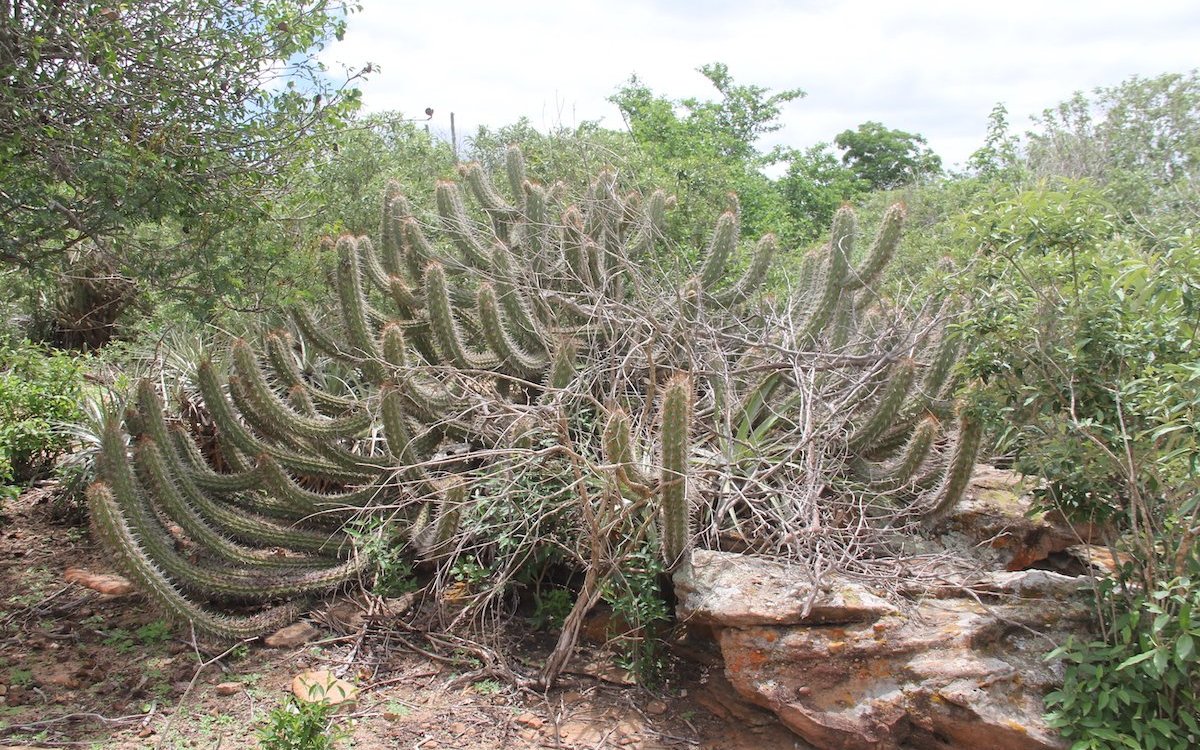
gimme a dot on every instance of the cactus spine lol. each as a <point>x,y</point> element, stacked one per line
<point>675,527</point>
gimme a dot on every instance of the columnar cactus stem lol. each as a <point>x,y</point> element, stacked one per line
<point>720,249</point>
<point>675,528</point>
<point>111,524</point>
<point>891,399</point>
<point>962,464</point>
<point>881,251</point>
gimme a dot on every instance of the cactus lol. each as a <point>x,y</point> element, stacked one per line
<point>511,338</point>
<point>675,526</point>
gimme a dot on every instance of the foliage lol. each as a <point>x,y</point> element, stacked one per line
<point>1138,140</point>
<point>38,391</point>
<point>884,158</point>
<point>301,725</point>
<point>151,140</point>
<point>815,185</point>
<point>702,150</point>
<point>1141,688</point>
<point>639,612</point>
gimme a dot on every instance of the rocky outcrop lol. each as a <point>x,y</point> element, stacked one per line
<point>946,664</point>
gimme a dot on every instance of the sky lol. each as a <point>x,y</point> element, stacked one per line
<point>928,67</point>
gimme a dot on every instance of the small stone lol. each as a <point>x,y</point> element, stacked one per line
<point>320,686</point>
<point>656,707</point>
<point>228,688</point>
<point>458,728</point>
<point>533,721</point>
<point>293,635</point>
<point>109,584</point>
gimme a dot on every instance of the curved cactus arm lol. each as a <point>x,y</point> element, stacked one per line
<point>575,249</point>
<point>899,381</point>
<point>562,365</point>
<point>232,430</point>
<point>521,363</point>
<point>160,547</point>
<point>514,170</point>
<point>315,333</point>
<point>538,231</point>
<point>418,250</point>
<point>369,262</point>
<point>287,371</point>
<point>281,484</point>
<point>438,537</point>
<point>962,463</point>
<point>881,252</point>
<point>675,527</point>
<point>444,325</point>
<point>523,326</point>
<point>153,468</point>
<point>391,246</point>
<point>885,476</point>
<point>458,225</point>
<point>268,404</point>
<point>111,526</point>
<point>754,275</point>
<point>842,327</point>
<point>273,529</point>
<point>832,275</point>
<point>720,249</point>
<point>355,310</point>
<point>504,216</point>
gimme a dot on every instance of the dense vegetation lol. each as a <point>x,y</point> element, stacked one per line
<point>144,204</point>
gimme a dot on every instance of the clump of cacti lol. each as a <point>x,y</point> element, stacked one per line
<point>525,359</point>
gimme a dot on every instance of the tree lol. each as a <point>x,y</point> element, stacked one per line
<point>1140,140</point>
<point>887,158</point>
<point>815,185</point>
<point>708,148</point>
<point>121,114</point>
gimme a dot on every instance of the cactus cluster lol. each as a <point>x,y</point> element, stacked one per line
<point>529,330</point>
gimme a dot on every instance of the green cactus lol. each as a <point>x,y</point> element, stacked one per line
<point>513,342</point>
<point>675,513</point>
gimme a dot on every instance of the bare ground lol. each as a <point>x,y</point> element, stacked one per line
<point>81,669</point>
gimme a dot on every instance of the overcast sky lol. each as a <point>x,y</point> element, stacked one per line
<point>934,68</point>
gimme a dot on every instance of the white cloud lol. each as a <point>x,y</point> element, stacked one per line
<point>935,68</point>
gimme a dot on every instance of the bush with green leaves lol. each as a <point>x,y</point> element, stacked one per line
<point>1140,689</point>
<point>40,390</point>
<point>301,725</point>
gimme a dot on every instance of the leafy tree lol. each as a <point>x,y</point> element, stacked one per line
<point>815,185</point>
<point>707,148</point>
<point>1140,140</point>
<point>886,158</point>
<point>191,113</point>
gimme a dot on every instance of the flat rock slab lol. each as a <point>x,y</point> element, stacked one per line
<point>731,590</point>
<point>847,670</point>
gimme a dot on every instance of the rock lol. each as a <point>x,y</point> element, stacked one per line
<point>863,674</point>
<point>656,707</point>
<point>109,584</point>
<point>228,688</point>
<point>733,590</point>
<point>533,721</point>
<point>296,634</point>
<point>321,686</point>
<point>996,513</point>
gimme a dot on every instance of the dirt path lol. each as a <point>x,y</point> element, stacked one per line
<point>82,669</point>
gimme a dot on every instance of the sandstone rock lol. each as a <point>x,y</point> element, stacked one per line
<point>296,634</point>
<point>228,688</point>
<point>109,584</point>
<point>733,590</point>
<point>940,673</point>
<point>321,686</point>
<point>996,513</point>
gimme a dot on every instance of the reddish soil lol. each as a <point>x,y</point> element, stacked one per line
<point>82,669</point>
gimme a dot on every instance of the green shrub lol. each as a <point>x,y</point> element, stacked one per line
<point>1141,689</point>
<point>301,726</point>
<point>39,389</point>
